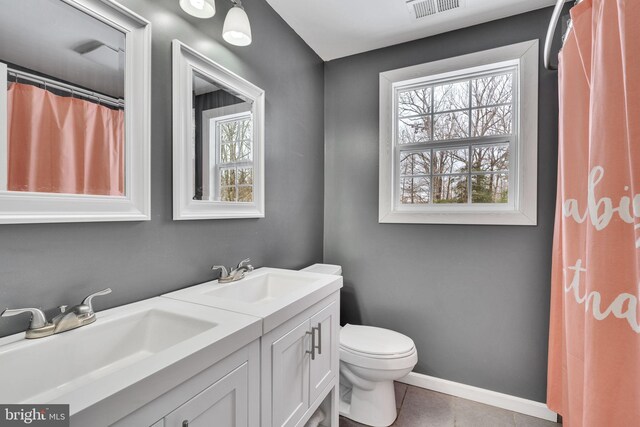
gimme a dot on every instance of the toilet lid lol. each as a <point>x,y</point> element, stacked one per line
<point>375,341</point>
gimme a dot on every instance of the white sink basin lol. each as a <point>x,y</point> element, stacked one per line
<point>125,345</point>
<point>273,294</point>
<point>260,288</point>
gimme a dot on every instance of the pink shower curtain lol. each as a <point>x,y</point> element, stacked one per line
<point>63,145</point>
<point>594,344</point>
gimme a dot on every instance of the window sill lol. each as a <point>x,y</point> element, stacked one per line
<point>457,217</point>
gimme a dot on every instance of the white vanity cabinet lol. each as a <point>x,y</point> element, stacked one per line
<point>299,343</point>
<point>300,366</point>
<point>225,395</point>
<point>258,352</point>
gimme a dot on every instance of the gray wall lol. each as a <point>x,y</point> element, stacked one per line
<point>48,265</point>
<point>475,299</point>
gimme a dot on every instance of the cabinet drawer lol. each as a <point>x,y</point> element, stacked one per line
<point>223,404</point>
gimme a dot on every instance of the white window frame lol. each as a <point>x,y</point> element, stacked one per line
<point>521,209</point>
<point>214,160</point>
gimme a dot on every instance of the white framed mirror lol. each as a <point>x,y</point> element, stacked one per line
<point>218,140</point>
<point>74,112</point>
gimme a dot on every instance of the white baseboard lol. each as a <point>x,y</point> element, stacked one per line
<point>481,395</point>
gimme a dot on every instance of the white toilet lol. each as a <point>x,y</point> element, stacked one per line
<point>371,359</point>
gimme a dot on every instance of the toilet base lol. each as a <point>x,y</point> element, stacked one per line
<point>375,407</point>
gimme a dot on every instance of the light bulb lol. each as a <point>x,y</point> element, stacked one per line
<point>199,8</point>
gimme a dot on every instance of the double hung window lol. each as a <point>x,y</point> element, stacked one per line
<point>458,141</point>
<point>233,175</point>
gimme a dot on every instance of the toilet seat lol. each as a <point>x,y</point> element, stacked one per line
<point>376,348</point>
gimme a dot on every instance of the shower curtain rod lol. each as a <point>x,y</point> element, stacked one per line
<point>553,23</point>
<point>102,99</point>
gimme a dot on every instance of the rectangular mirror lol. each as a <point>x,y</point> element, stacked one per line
<point>218,140</point>
<point>74,112</point>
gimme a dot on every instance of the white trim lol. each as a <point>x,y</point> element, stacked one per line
<point>524,211</point>
<point>31,207</point>
<point>185,61</point>
<point>481,395</point>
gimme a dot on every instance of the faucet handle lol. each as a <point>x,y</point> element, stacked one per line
<point>38,319</point>
<point>88,300</point>
<point>245,263</point>
<point>223,270</point>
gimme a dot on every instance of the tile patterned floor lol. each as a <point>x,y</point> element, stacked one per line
<point>424,408</point>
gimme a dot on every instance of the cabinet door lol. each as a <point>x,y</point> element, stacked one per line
<point>290,382</point>
<point>325,365</point>
<point>223,404</point>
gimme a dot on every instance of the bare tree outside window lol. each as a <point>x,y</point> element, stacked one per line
<point>235,159</point>
<point>463,121</point>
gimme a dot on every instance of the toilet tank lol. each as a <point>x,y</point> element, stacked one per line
<point>324,269</point>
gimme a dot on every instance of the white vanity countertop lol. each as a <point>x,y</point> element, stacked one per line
<point>273,294</point>
<point>142,349</point>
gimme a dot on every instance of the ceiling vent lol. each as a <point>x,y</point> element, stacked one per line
<point>423,8</point>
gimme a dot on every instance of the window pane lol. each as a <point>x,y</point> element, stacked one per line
<point>415,190</point>
<point>452,96</point>
<point>245,194</point>
<point>244,151</point>
<point>244,129</point>
<point>491,121</point>
<point>227,177</point>
<point>451,161</point>
<point>489,158</point>
<point>414,102</point>
<point>235,130</point>
<point>228,131</point>
<point>451,125</point>
<point>450,189</point>
<point>492,90</point>
<point>414,130</point>
<point>490,188</point>
<point>228,194</point>
<point>227,152</point>
<point>245,176</point>
<point>415,163</point>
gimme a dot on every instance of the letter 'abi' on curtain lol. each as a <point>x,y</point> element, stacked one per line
<point>594,343</point>
<point>59,144</point>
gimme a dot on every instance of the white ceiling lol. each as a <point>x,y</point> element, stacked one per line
<point>337,28</point>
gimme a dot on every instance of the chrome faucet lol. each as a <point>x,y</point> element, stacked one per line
<point>68,318</point>
<point>236,273</point>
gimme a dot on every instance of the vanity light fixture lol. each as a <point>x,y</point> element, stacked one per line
<point>236,29</point>
<point>199,8</point>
